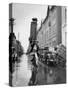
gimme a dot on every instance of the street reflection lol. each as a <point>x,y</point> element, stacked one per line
<point>27,73</point>
<point>22,74</point>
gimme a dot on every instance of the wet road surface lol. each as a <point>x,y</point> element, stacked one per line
<point>22,74</point>
<point>45,74</point>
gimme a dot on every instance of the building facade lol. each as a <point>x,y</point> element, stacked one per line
<point>64,25</point>
<point>50,33</point>
<point>33,34</point>
<point>33,29</point>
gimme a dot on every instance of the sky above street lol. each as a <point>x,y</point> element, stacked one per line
<point>23,14</point>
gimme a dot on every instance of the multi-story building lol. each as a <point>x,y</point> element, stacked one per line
<point>33,29</point>
<point>33,34</point>
<point>52,31</point>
